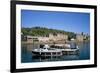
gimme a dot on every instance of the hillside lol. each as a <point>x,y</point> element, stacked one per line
<point>42,31</point>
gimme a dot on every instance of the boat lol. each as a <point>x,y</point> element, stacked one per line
<point>47,51</point>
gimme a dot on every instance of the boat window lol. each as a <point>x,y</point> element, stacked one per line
<point>44,48</point>
<point>42,53</point>
<point>54,53</point>
<point>58,53</point>
<point>48,53</point>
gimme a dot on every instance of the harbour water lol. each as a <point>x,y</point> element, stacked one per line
<point>26,54</point>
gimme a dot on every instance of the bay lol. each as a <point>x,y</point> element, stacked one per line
<point>26,54</point>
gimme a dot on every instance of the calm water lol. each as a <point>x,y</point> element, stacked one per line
<point>26,54</point>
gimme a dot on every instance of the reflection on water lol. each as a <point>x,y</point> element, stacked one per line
<point>26,54</point>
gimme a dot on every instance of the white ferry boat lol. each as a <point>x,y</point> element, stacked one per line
<point>47,51</point>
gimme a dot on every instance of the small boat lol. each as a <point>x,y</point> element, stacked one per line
<point>47,51</point>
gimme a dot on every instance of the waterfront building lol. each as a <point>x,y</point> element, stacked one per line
<point>79,37</point>
<point>51,37</point>
<point>58,37</point>
<point>29,39</point>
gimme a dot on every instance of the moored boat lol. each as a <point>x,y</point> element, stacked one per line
<point>47,51</point>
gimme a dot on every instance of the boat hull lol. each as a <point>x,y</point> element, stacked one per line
<point>46,53</point>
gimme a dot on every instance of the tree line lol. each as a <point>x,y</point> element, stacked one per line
<point>42,31</point>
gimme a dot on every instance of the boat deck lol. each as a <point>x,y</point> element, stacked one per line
<point>70,51</point>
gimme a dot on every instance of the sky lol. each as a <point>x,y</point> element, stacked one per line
<point>68,21</point>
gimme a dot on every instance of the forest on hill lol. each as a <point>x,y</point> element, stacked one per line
<point>42,31</point>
